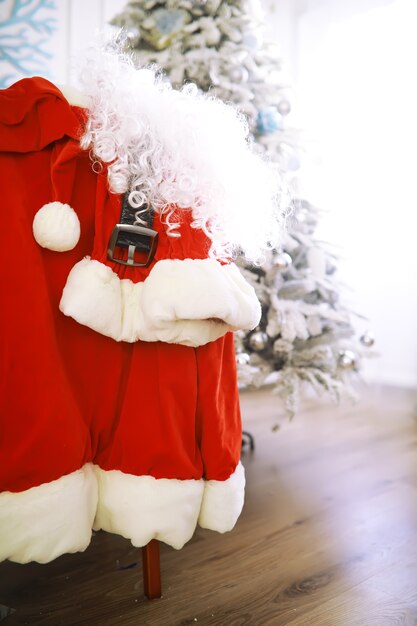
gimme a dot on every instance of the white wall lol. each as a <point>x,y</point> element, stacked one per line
<point>281,26</point>
<point>78,23</point>
<point>357,112</point>
<point>357,94</point>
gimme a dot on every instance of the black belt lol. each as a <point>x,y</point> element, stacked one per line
<point>134,237</point>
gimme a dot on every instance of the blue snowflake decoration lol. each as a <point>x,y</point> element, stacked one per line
<point>25,30</point>
<point>268,121</point>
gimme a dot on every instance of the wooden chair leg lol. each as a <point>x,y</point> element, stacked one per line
<point>151,570</point>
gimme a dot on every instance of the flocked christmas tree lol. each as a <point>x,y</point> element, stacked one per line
<point>305,334</point>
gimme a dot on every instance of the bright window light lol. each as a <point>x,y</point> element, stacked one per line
<point>358,98</point>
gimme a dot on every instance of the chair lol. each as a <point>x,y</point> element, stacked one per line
<point>151,570</point>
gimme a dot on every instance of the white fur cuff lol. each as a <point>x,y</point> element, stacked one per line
<point>223,501</point>
<point>55,518</point>
<point>142,508</point>
<point>43,522</point>
<point>176,303</point>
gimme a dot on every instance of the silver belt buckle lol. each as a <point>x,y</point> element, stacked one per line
<point>132,230</point>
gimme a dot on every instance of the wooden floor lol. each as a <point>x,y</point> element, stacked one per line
<point>328,536</point>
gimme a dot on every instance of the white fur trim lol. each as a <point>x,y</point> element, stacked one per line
<point>43,522</point>
<point>203,161</point>
<point>142,508</point>
<point>174,304</point>
<point>56,226</point>
<point>56,518</point>
<point>74,96</point>
<point>223,501</point>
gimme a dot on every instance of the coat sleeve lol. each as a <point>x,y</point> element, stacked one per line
<point>184,297</point>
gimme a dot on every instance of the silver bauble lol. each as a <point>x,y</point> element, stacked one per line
<point>284,107</point>
<point>368,339</point>
<point>242,358</point>
<point>131,36</point>
<point>252,40</point>
<point>258,340</point>
<point>293,163</point>
<point>282,261</point>
<point>239,74</point>
<point>302,215</point>
<point>347,359</point>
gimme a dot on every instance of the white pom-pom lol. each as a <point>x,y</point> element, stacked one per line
<point>56,226</point>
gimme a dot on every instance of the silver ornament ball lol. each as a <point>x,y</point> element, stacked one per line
<point>302,215</point>
<point>293,163</point>
<point>242,358</point>
<point>239,74</point>
<point>284,107</point>
<point>367,339</point>
<point>258,340</point>
<point>252,40</point>
<point>133,35</point>
<point>282,261</point>
<point>347,359</point>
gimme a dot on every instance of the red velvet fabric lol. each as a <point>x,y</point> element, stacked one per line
<point>68,394</point>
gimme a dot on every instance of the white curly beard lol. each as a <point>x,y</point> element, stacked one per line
<point>180,148</point>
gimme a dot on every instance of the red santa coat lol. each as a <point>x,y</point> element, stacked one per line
<point>119,404</point>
